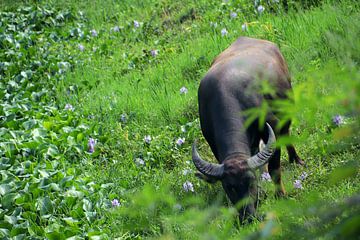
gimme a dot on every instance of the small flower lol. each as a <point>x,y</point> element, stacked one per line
<point>265,176</point>
<point>260,9</point>
<point>297,184</point>
<point>115,203</point>
<point>139,162</point>
<point>303,176</point>
<point>224,32</point>
<point>91,145</point>
<point>244,27</point>
<point>183,129</point>
<point>93,33</point>
<point>69,107</point>
<point>154,53</point>
<point>186,171</point>
<point>81,47</point>
<point>123,117</point>
<point>213,24</point>
<point>233,14</point>
<point>188,186</point>
<point>136,24</point>
<point>177,207</point>
<point>183,90</point>
<point>147,139</point>
<point>116,29</point>
<point>180,141</point>
<point>338,120</point>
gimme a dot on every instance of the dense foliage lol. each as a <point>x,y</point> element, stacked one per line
<point>99,111</point>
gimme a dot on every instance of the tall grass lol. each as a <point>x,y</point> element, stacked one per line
<point>127,94</point>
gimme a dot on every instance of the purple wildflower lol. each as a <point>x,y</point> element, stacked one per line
<point>180,141</point>
<point>69,107</point>
<point>338,120</point>
<point>93,33</point>
<point>115,203</point>
<point>154,52</point>
<point>116,29</point>
<point>147,139</point>
<point>184,90</point>
<point>233,14</point>
<point>297,184</point>
<point>136,24</point>
<point>188,187</point>
<point>123,118</point>
<point>81,47</point>
<point>91,145</point>
<point>224,32</point>
<point>260,9</point>
<point>265,176</point>
<point>139,161</point>
<point>303,176</point>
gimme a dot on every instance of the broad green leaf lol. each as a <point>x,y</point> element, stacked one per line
<point>71,221</point>
<point>52,151</point>
<point>55,236</point>
<point>8,200</point>
<point>10,219</point>
<point>48,125</point>
<point>5,189</point>
<point>4,232</point>
<point>87,205</point>
<point>29,124</point>
<point>45,206</point>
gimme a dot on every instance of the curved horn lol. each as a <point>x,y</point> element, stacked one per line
<point>206,168</point>
<point>263,156</point>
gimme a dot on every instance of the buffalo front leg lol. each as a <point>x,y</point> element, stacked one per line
<point>293,156</point>
<point>275,173</point>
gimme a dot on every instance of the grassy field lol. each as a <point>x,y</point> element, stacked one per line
<point>99,111</point>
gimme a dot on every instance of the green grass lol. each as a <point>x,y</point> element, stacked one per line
<point>122,78</point>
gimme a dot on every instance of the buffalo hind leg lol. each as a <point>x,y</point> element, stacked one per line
<point>275,173</point>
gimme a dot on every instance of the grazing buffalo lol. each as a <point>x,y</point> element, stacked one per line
<point>230,87</point>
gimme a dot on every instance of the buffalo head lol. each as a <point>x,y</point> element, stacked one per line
<point>237,175</point>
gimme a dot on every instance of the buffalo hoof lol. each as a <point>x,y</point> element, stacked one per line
<point>280,193</point>
<point>298,161</point>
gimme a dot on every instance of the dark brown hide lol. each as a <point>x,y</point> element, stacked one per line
<point>232,86</point>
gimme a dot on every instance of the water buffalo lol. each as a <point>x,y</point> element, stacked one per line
<point>231,86</point>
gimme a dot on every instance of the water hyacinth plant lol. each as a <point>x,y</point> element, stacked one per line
<point>223,32</point>
<point>265,176</point>
<point>180,141</point>
<point>260,9</point>
<point>154,52</point>
<point>51,61</point>
<point>147,139</point>
<point>81,47</point>
<point>188,186</point>
<point>93,33</point>
<point>69,107</point>
<point>338,120</point>
<point>136,24</point>
<point>298,184</point>
<point>115,203</point>
<point>91,145</point>
<point>183,90</point>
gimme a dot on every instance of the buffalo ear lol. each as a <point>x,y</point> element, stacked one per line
<point>206,178</point>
